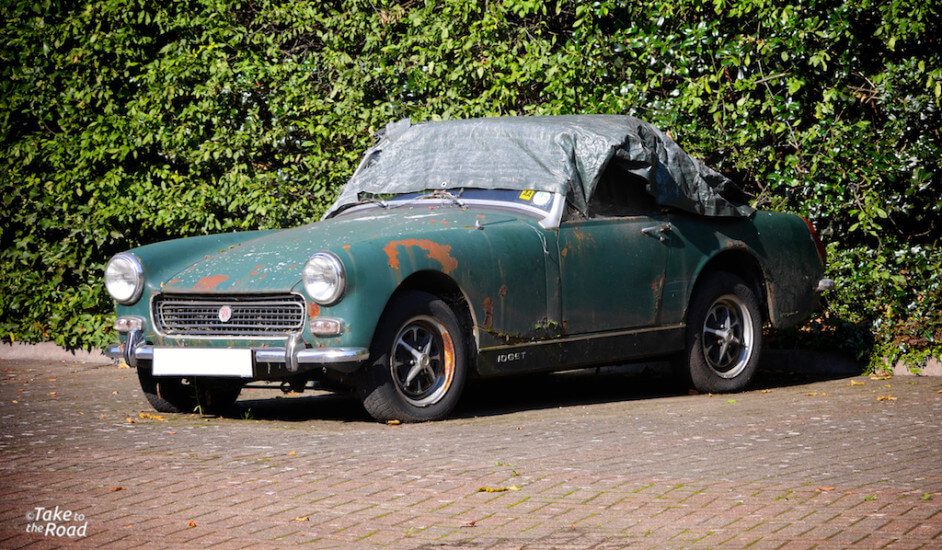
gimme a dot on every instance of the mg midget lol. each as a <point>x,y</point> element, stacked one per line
<point>480,247</point>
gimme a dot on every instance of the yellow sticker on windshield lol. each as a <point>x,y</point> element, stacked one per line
<point>526,194</point>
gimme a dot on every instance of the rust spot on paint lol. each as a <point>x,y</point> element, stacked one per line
<point>581,235</point>
<point>657,284</point>
<point>210,282</point>
<point>313,310</point>
<point>657,288</point>
<point>564,251</point>
<point>173,281</point>
<point>441,253</point>
<point>503,291</point>
<point>346,247</point>
<point>255,271</point>
<point>488,313</point>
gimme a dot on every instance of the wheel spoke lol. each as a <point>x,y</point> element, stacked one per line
<point>413,372</point>
<point>416,354</point>
<point>715,332</point>
<point>723,350</point>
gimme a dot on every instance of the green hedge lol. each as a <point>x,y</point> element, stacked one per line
<point>128,122</point>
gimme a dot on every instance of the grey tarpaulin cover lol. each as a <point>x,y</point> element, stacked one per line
<point>564,154</point>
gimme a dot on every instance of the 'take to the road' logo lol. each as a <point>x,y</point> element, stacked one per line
<point>56,522</point>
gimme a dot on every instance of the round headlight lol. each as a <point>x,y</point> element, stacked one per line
<point>324,278</point>
<point>124,278</point>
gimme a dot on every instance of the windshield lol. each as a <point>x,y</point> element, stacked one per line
<point>461,198</point>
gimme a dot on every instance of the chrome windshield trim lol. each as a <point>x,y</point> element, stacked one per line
<point>548,219</point>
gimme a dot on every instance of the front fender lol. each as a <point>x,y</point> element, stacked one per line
<point>499,266</point>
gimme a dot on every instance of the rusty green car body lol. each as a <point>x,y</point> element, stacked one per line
<point>532,288</point>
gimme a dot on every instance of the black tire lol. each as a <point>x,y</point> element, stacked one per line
<point>174,395</point>
<point>397,383</point>
<point>723,335</point>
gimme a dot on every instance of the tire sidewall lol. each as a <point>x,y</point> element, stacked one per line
<point>701,375</point>
<point>378,390</point>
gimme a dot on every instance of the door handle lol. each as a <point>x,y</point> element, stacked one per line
<point>658,231</point>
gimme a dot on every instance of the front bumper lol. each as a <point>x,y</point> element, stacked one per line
<point>292,358</point>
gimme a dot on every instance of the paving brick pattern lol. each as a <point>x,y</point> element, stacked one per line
<point>606,461</point>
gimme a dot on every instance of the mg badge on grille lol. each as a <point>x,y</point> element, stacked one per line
<point>225,313</point>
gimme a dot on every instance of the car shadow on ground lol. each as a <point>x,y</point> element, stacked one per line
<point>779,368</point>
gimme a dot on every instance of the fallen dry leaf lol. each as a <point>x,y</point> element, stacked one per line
<point>191,524</point>
<point>15,401</point>
<point>303,518</point>
<point>130,420</point>
<point>292,453</point>
<point>825,488</point>
<point>117,488</point>
<point>151,416</point>
<point>886,398</point>
<point>880,376</point>
<point>393,422</point>
<point>766,391</point>
<point>857,383</point>
<point>937,391</point>
<point>114,392</point>
<point>52,379</point>
<point>123,365</point>
<point>471,523</point>
<point>53,394</point>
<point>171,432</point>
<point>487,489</point>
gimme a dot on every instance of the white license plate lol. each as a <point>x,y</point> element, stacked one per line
<point>202,362</point>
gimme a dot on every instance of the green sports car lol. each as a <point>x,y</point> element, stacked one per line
<point>480,247</point>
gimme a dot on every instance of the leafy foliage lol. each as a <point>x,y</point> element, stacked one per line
<point>125,122</point>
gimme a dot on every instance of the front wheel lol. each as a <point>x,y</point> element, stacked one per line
<point>724,335</point>
<point>418,361</point>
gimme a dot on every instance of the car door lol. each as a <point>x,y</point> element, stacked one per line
<point>612,263</point>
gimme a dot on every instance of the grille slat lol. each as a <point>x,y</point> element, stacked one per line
<point>251,315</point>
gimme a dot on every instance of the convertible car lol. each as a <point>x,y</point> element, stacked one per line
<point>481,247</point>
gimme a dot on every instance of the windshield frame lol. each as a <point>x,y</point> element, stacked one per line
<point>548,219</point>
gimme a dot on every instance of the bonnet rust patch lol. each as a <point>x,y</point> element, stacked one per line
<point>313,310</point>
<point>441,253</point>
<point>210,282</point>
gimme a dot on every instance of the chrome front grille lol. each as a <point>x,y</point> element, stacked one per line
<point>201,315</point>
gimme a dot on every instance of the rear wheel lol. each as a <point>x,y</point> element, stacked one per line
<point>724,335</point>
<point>177,395</point>
<point>419,361</point>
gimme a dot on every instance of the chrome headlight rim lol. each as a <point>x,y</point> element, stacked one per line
<point>337,292</point>
<point>137,268</point>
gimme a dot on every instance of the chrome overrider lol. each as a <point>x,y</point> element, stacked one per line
<point>294,354</point>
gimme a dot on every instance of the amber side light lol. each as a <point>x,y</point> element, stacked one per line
<point>822,252</point>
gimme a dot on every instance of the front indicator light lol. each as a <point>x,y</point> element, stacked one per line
<point>325,326</point>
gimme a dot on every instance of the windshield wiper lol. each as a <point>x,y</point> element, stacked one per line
<point>380,202</point>
<point>441,194</point>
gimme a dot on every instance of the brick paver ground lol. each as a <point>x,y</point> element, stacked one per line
<point>597,460</point>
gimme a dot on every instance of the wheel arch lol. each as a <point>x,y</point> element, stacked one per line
<point>445,288</point>
<point>739,261</point>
